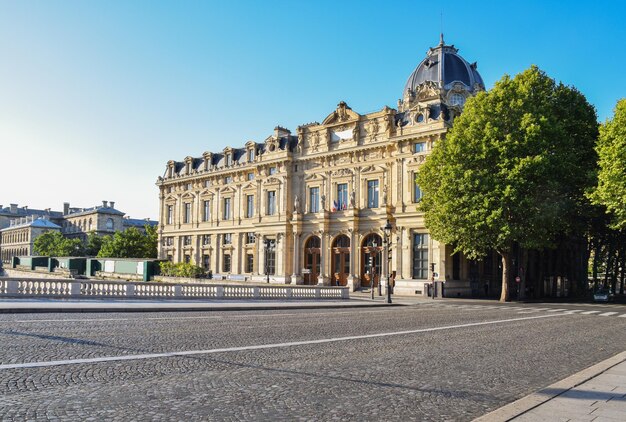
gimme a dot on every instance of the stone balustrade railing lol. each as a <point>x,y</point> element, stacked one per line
<point>67,288</point>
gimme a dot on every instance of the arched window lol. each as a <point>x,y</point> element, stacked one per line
<point>109,224</point>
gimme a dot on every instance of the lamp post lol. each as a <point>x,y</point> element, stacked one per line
<point>372,268</point>
<point>387,243</point>
<point>269,246</point>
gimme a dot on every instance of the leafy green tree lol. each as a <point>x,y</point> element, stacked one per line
<point>130,243</point>
<point>512,170</point>
<point>611,189</point>
<point>52,243</point>
<point>93,245</point>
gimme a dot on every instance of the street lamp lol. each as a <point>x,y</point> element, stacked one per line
<point>372,268</point>
<point>269,247</point>
<point>387,242</point>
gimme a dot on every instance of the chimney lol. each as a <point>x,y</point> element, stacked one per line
<point>104,204</point>
<point>13,208</point>
<point>66,208</point>
<point>112,204</point>
<point>25,207</point>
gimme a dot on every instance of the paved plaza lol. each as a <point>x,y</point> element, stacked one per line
<point>440,360</point>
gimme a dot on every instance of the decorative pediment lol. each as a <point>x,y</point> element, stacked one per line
<point>271,144</point>
<point>314,176</point>
<point>272,181</point>
<point>170,199</point>
<point>249,186</point>
<point>188,195</point>
<point>343,113</point>
<point>228,189</point>
<point>427,90</point>
<point>342,172</point>
<point>372,169</point>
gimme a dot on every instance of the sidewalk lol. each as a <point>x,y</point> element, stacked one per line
<point>595,394</point>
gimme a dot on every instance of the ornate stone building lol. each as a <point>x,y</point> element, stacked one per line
<point>308,207</point>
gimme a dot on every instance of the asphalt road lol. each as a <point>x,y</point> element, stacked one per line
<point>442,361</point>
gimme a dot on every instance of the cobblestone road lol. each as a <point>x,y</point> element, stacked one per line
<point>456,373</point>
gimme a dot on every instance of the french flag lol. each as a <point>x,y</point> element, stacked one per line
<point>335,205</point>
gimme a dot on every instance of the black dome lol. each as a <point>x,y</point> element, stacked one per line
<point>444,67</point>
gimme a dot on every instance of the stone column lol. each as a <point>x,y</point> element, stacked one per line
<point>296,277</point>
<point>323,257</point>
<point>353,251</point>
<point>281,264</point>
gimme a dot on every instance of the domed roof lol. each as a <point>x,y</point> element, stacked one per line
<point>444,66</point>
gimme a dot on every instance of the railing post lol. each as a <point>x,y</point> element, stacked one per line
<point>289,292</point>
<point>12,287</point>
<point>220,292</point>
<point>130,290</point>
<point>318,293</point>
<point>178,290</point>
<point>345,293</point>
<point>256,292</point>
<point>75,288</point>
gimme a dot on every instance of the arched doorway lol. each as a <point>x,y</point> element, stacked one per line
<point>371,252</point>
<point>311,260</point>
<point>341,260</point>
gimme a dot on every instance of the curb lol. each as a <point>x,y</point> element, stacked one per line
<point>220,308</point>
<point>536,399</point>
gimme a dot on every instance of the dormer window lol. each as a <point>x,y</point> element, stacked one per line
<point>251,155</point>
<point>457,99</point>
<point>229,159</point>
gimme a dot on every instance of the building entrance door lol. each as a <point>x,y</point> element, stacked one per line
<point>311,260</point>
<point>341,260</point>
<point>371,251</point>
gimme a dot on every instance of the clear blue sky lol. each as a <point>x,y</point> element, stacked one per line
<point>96,96</point>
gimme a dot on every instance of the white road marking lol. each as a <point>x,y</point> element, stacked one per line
<point>622,316</point>
<point>589,312</point>
<point>257,347</point>
<point>608,314</point>
<point>573,311</point>
<point>556,310</point>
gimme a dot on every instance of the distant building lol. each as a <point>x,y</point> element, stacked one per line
<point>20,226</point>
<point>19,237</point>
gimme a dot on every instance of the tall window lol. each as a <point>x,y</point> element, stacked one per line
<point>229,159</point>
<point>228,180</point>
<point>271,202</point>
<point>314,199</point>
<point>249,263</point>
<point>226,209</point>
<point>187,214</point>
<point>226,263</point>
<point>206,261</point>
<point>420,256</point>
<point>342,196</point>
<point>372,193</point>
<point>109,224</point>
<point>417,192</point>
<point>228,238</point>
<point>187,240</point>
<point>251,155</point>
<point>206,239</point>
<point>250,176</point>
<point>272,170</point>
<point>206,210</point>
<point>250,238</point>
<point>249,206</point>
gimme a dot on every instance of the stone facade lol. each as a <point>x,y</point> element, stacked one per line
<point>308,207</point>
<point>19,237</point>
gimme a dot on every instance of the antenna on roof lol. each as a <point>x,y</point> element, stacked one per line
<point>441,32</point>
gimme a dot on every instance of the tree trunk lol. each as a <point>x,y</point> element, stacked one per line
<point>506,269</point>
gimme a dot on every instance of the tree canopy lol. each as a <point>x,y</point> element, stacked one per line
<point>131,243</point>
<point>512,170</point>
<point>53,243</point>
<point>611,147</point>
